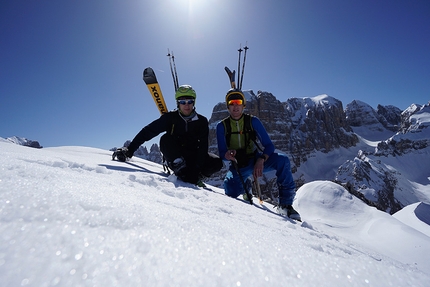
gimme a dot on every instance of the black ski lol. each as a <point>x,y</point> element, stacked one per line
<point>231,77</point>
<point>154,88</point>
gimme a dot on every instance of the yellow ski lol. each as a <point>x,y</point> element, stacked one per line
<point>154,88</point>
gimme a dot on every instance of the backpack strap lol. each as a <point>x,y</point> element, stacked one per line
<point>248,131</point>
<point>227,129</point>
<point>250,134</point>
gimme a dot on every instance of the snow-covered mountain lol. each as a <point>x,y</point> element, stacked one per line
<point>396,172</point>
<point>23,141</point>
<point>379,124</point>
<point>70,216</point>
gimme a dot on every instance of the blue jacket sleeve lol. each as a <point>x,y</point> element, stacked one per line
<point>220,137</point>
<point>263,137</point>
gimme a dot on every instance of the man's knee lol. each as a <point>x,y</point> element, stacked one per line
<point>231,187</point>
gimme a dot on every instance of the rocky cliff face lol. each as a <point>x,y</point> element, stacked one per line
<point>390,117</point>
<point>384,118</point>
<point>412,134</point>
<point>317,124</point>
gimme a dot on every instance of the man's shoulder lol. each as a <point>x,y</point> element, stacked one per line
<point>249,116</point>
<point>172,112</point>
<point>168,114</point>
<point>201,116</point>
<point>220,123</point>
<point>171,115</point>
<point>253,118</point>
<point>223,121</point>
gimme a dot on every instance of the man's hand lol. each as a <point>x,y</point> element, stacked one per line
<point>258,168</point>
<point>121,154</point>
<point>229,155</point>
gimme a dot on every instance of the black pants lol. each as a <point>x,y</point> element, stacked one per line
<point>192,171</point>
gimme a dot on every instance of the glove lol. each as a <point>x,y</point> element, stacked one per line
<point>121,154</point>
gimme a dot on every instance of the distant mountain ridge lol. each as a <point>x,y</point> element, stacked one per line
<point>23,141</point>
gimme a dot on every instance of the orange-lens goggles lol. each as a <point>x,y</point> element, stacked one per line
<point>235,102</point>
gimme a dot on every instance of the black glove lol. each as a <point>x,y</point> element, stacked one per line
<point>121,154</point>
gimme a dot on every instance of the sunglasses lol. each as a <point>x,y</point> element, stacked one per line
<point>186,102</point>
<point>235,102</point>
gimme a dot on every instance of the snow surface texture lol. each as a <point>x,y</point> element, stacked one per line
<point>72,217</point>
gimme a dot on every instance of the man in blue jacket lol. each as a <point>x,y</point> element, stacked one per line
<point>236,137</point>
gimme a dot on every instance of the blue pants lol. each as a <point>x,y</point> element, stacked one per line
<point>287,189</point>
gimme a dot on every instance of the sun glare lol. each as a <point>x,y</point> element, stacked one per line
<point>191,6</point>
<point>198,15</point>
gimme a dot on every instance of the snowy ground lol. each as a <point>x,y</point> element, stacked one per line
<point>72,217</point>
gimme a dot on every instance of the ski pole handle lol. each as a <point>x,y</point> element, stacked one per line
<point>229,155</point>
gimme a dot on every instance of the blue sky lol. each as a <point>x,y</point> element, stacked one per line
<point>71,71</point>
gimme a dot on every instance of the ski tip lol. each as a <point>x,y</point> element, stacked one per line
<point>147,71</point>
<point>149,76</point>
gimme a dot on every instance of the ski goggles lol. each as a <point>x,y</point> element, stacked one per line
<point>186,102</point>
<point>235,102</point>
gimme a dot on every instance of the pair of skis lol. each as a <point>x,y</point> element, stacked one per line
<point>154,88</point>
<point>232,74</point>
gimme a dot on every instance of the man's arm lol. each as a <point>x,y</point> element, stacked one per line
<point>149,132</point>
<point>221,141</point>
<point>203,140</point>
<point>263,137</point>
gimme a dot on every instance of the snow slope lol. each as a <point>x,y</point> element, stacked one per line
<point>69,216</point>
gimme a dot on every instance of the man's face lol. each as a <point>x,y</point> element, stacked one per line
<point>235,108</point>
<point>186,105</point>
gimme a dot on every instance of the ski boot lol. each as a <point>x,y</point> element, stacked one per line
<point>289,211</point>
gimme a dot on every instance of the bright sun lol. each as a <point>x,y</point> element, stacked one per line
<point>191,5</point>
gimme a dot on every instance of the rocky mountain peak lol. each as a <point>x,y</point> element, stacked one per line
<point>359,114</point>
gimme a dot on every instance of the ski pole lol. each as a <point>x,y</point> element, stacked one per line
<point>238,68</point>
<point>176,74</point>
<point>171,68</point>
<point>243,67</point>
<point>236,167</point>
<point>257,187</point>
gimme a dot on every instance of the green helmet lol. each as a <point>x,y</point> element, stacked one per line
<point>185,91</point>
